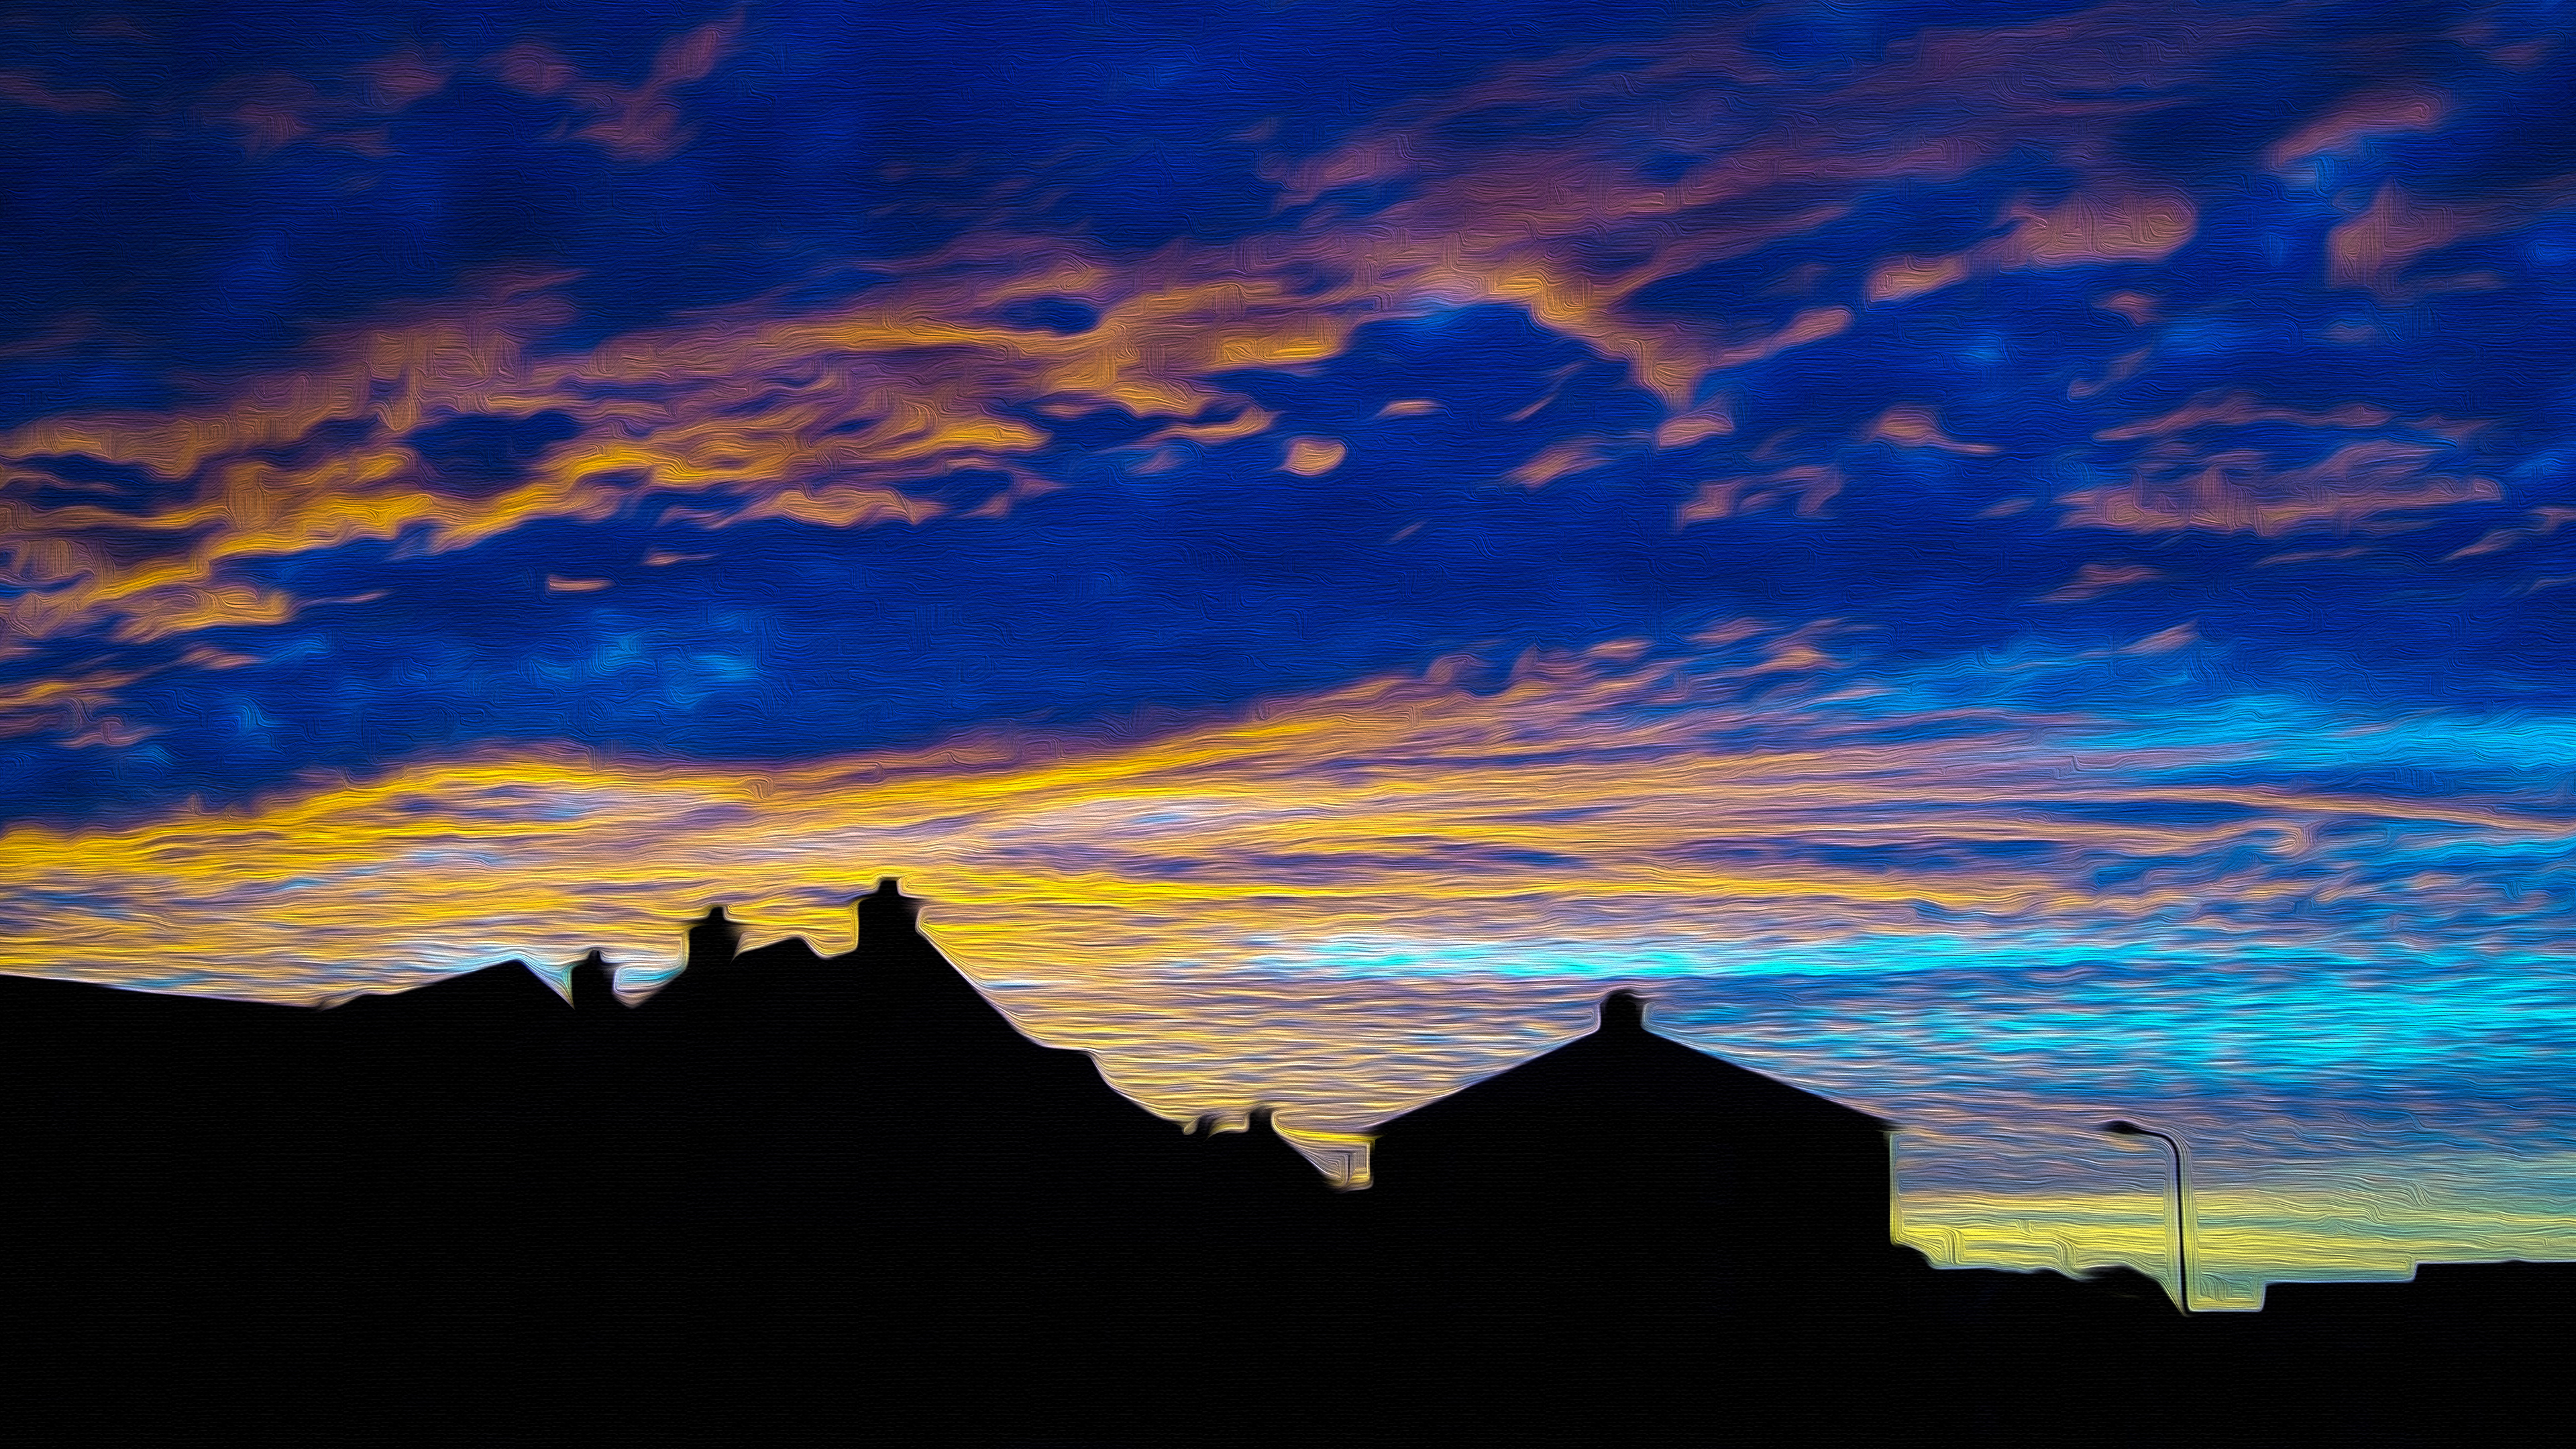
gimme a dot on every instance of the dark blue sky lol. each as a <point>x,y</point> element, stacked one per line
<point>364,382</point>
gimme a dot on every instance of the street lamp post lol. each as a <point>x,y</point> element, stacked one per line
<point>2182,1230</point>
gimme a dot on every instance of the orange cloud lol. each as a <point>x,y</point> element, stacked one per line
<point>843,417</point>
<point>2354,489</point>
<point>2094,580</point>
<point>63,704</point>
<point>746,406</point>
<point>2543,522</point>
<point>1681,430</point>
<point>37,93</point>
<point>2377,113</point>
<point>985,819</point>
<point>2088,229</point>
<point>2091,228</point>
<point>2122,368</point>
<point>274,109</point>
<point>1898,278</point>
<point>2195,476</point>
<point>2238,409</point>
<point>1572,199</point>
<point>183,610</point>
<point>1812,485</point>
<point>2138,307</point>
<point>633,123</point>
<point>1916,427</point>
<point>2371,250</point>
<point>269,111</point>
<point>2289,557</point>
<point>1313,457</point>
<point>402,78</point>
<point>2167,641</point>
<point>1559,460</point>
<point>2482,33</point>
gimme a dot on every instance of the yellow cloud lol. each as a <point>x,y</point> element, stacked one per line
<point>836,416</point>
<point>1560,460</point>
<point>1918,427</point>
<point>2368,485</point>
<point>1902,277</point>
<point>1362,794</point>
<point>2090,228</point>
<point>1313,457</point>
<point>2095,579</point>
<point>2374,113</point>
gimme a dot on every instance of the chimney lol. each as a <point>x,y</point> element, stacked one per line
<point>594,983</point>
<point>886,915</point>
<point>714,940</point>
<point>1623,1011</point>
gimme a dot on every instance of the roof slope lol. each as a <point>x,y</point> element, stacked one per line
<point>1621,1072</point>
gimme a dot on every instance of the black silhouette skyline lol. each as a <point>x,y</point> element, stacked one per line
<point>857,1186</point>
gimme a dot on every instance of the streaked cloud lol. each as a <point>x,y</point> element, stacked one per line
<point>1858,808</point>
<point>2368,485</point>
<point>2353,123</point>
<point>637,123</point>
<point>28,88</point>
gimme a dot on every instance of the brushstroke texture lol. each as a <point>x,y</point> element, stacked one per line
<point>2014,555</point>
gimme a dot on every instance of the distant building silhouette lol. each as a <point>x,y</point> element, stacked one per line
<point>1627,1137</point>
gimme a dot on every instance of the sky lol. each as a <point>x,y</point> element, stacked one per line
<point>2010,563</point>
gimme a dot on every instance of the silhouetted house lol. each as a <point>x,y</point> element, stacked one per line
<point>719,978</point>
<point>886,1053</point>
<point>1625,1145</point>
<point>510,989</point>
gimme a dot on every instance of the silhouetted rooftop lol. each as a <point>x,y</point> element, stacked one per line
<point>1623,1071</point>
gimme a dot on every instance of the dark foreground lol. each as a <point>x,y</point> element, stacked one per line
<point>844,1198</point>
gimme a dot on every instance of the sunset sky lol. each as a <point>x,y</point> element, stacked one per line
<point>2011,563</point>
